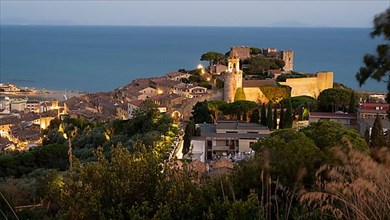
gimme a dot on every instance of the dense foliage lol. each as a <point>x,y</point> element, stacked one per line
<point>275,94</point>
<point>259,65</point>
<point>213,57</point>
<point>334,99</point>
<point>378,66</point>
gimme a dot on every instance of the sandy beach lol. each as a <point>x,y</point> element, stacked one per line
<point>43,94</point>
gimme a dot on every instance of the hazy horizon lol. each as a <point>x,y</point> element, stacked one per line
<point>333,14</point>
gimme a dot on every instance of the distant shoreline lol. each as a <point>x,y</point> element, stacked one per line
<point>43,94</point>
<point>181,26</point>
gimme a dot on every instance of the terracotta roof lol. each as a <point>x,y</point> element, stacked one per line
<point>52,113</point>
<point>136,102</point>
<point>258,83</point>
<point>166,97</point>
<point>30,116</point>
<point>166,82</point>
<point>9,120</point>
<point>182,86</point>
<point>30,133</point>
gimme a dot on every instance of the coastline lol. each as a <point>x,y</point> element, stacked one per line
<point>43,94</point>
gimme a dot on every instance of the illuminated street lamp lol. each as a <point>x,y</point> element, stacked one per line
<point>201,68</point>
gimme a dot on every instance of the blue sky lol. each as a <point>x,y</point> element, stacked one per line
<point>326,13</point>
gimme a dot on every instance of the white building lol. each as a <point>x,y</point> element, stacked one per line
<point>226,137</point>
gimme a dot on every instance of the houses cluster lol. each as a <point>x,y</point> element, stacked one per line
<point>361,120</point>
<point>167,92</point>
<point>9,87</point>
<point>233,139</point>
<point>22,120</point>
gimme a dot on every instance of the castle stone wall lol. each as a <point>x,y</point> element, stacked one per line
<point>242,52</point>
<point>311,86</point>
<point>255,94</point>
<point>230,87</point>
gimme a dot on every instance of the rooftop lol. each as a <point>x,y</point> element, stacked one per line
<point>136,102</point>
<point>239,125</point>
<point>166,97</point>
<point>175,74</point>
<point>166,82</point>
<point>331,115</point>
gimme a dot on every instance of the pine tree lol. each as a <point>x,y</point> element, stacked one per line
<point>377,137</point>
<point>352,103</point>
<point>263,116</point>
<point>288,121</point>
<point>367,136</point>
<point>269,116</point>
<point>275,118</point>
<point>282,118</point>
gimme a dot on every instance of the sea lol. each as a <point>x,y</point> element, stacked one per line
<point>103,58</point>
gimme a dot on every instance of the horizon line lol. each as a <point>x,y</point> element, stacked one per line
<point>195,26</point>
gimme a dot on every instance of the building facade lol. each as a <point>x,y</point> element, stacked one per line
<point>366,115</point>
<point>227,137</point>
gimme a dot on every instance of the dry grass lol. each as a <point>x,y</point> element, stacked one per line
<point>357,189</point>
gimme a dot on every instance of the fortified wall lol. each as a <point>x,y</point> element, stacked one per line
<point>311,86</point>
<point>255,95</point>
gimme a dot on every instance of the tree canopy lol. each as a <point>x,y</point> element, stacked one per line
<point>255,51</point>
<point>328,134</point>
<point>213,57</point>
<point>378,66</point>
<point>291,155</point>
<point>334,99</point>
<point>201,113</point>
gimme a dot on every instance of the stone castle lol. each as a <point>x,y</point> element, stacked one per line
<point>243,53</point>
<point>232,77</point>
<point>250,89</point>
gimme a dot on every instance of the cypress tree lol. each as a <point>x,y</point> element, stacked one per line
<point>269,116</point>
<point>255,116</point>
<point>352,103</point>
<point>263,116</point>
<point>367,136</point>
<point>377,137</point>
<point>275,122</point>
<point>288,121</point>
<point>282,118</point>
<point>189,132</point>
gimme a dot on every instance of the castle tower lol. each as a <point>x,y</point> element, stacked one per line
<point>288,58</point>
<point>232,78</point>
